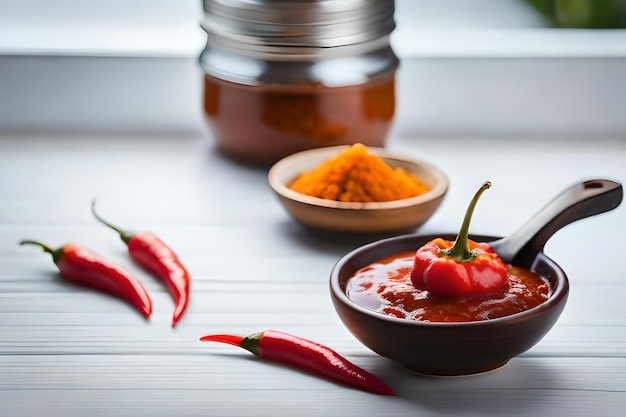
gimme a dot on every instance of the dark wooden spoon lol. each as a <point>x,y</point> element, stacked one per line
<point>582,200</point>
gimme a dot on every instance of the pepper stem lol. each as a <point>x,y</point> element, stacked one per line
<point>249,343</point>
<point>124,235</point>
<point>460,250</point>
<point>56,253</point>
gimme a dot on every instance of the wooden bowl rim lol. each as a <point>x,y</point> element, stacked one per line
<point>438,189</point>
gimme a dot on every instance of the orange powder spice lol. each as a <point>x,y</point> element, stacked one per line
<point>355,175</point>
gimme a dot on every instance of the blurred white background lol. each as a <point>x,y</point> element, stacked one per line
<point>171,28</point>
<point>468,67</point>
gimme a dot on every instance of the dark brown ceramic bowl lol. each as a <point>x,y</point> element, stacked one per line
<point>444,349</point>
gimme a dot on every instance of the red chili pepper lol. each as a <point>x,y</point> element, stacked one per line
<point>153,254</point>
<point>304,354</point>
<point>81,266</point>
<point>463,268</point>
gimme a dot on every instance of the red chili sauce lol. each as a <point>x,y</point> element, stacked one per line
<point>385,286</point>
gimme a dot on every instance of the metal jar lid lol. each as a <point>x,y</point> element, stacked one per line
<point>298,29</point>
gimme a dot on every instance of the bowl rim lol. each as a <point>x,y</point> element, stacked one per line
<point>438,190</point>
<point>559,292</point>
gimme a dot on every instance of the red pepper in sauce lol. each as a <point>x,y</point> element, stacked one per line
<point>153,254</point>
<point>81,266</point>
<point>463,268</point>
<point>304,354</point>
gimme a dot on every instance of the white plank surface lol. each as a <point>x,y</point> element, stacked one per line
<point>67,351</point>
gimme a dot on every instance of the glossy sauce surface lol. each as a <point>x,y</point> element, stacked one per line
<point>385,286</point>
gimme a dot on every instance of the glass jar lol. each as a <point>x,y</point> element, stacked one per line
<point>284,76</point>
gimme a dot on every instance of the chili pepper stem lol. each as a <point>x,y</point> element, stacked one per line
<point>249,343</point>
<point>460,250</point>
<point>56,253</point>
<point>229,339</point>
<point>124,235</point>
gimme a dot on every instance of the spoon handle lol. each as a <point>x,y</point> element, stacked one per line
<point>582,200</point>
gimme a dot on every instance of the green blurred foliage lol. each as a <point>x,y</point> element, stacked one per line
<point>583,14</point>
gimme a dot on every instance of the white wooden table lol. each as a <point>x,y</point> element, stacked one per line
<point>67,351</point>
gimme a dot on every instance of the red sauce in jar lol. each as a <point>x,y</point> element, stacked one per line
<point>385,287</point>
<point>264,123</point>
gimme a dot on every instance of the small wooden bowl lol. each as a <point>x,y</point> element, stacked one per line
<point>372,217</point>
